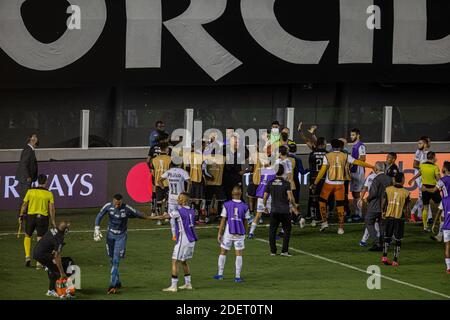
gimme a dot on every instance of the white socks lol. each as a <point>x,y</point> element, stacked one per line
<point>447,261</point>
<point>440,233</point>
<point>174,282</point>
<point>239,266</point>
<point>187,279</point>
<point>172,226</point>
<point>365,235</point>
<point>222,259</point>
<point>377,228</point>
<point>253,227</point>
<point>356,208</point>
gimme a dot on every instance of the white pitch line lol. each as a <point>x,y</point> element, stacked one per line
<point>361,270</point>
<point>12,233</point>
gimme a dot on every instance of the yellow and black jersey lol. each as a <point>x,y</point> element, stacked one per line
<point>161,164</point>
<point>38,200</point>
<point>396,200</point>
<point>214,166</point>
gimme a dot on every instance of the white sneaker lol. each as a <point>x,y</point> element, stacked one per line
<point>38,266</point>
<point>158,223</point>
<point>313,223</point>
<point>340,231</point>
<point>170,289</point>
<point>323,226</point>
<point>285,254</point>
<point>52,293</point>
<point>186,286</point>
<point>302,223</point>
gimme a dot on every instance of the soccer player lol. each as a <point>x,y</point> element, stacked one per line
<point>186,238</point>
<point>118,214</point>
<point>423,146</point>
<point>391,167</point>
<point>374,200</point>
<point>365,190</point>
<point>234,215</point>
<point>429,172</point>
<point>335,166</point>
<point>161,140</point>
<point>48,253</point>
<point>267,174</point>
<point>176,179</point>
<point>315,163</point>
<point>213,168</point>
<point>395,206</point>
<point>160,164</point>
<point>37,205</point>
<point>444,186</point>
<point>357,172</point>
<point>194,162</point>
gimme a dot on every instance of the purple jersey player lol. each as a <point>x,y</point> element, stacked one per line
<point>267,174</point>
<point>234,219</point>
<point>444,186</point>
<point>184,218</point>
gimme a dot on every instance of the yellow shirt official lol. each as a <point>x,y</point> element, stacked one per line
<point>38,200</point>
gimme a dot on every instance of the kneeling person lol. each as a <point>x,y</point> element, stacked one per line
<point>235,214</point>
<point>395,205</point>
<point>184,248</point>
<point>48,252</point>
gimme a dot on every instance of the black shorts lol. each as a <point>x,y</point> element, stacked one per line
<point>427,196</point>
<point>394,227</point>
<point>197,191</point>
<point>214,191</point>
<point>161,193</point>
<point>36,222</point>
<point>251,190</point>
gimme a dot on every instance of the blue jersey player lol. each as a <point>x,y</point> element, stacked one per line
<point>118,214</point>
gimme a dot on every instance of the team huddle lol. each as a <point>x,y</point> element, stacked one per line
<point>204,185</point>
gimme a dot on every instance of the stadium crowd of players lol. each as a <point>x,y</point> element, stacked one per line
<point>207,185</point>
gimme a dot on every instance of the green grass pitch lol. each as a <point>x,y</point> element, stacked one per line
<point>146,269</point>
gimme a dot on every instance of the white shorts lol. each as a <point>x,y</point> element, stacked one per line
<point>357,181</point>
<point>446,235</point>
<point>260,204</point>
<point>172,207</point>
<point>184,249</point>
<point>229,241</point>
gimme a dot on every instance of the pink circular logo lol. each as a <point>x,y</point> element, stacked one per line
<point>139,183</point>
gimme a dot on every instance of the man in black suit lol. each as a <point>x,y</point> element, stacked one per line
<point>27,170</point>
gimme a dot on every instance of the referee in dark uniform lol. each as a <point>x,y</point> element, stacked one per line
<point>27,170</point>
<point>48,253</point>
<point>280,192</point>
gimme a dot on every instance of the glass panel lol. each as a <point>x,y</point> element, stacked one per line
<point>53,114</point>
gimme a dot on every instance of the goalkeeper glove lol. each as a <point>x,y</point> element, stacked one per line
<point>97,234</point>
